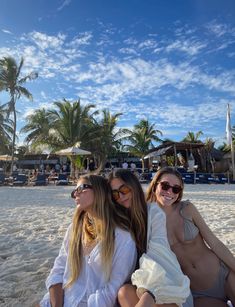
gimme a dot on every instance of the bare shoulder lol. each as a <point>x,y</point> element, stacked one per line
<point>187,206</point>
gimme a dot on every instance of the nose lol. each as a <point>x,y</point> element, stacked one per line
<point>121,195</point>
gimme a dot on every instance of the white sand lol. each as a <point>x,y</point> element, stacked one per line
<point>33,221</point>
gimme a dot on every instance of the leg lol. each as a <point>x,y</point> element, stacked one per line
<point>208,302</point>
<point>230,287</point>
<point>127,296</point>
<point>147,300</point>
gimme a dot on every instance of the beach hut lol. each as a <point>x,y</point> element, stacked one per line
<point>173,149</point>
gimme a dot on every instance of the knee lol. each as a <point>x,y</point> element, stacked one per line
<point>123,293</point>
<point>126,294</point>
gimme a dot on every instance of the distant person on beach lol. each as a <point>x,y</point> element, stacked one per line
<point>159,280</point>
<point>133,166</point>
<point>207,262</point>
<point>125,165</point>
<point>91,165</point>
<point>98,254</point>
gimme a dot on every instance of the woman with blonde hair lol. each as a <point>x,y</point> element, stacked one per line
<point>98,254</point>
<point>207,262</point>
<point>158,279</point>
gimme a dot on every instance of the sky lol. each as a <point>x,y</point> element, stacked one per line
<point>169,61</point>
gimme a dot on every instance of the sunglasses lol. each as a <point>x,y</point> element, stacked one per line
<point>123,190</point>
<point>80,188</point>
<point>176,189</point>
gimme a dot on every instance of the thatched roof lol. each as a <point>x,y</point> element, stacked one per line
<point>168,148</point>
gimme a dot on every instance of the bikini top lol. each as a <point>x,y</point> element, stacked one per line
<point>190,229</point>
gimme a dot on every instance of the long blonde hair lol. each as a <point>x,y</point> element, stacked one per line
<point>101,228</point>
<point>137,213</point>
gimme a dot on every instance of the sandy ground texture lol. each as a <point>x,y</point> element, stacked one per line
<point>33,221</point>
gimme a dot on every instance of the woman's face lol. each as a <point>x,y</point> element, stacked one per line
<point>122,193</point>
<point>166,190</point>
<point>84,196</point>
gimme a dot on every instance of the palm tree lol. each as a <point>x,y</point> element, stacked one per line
<point>37,127</point>
<point>11,81</point>
<point>6,131</point>
<point>105,138</point>
<point>70,123</point>
<point>141,139</point>
<point>192,137</point>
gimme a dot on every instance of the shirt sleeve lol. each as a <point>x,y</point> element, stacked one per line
<point>157,233</point>
<point>124,261</point>
<point>159,270</point>
<point>57,272</point>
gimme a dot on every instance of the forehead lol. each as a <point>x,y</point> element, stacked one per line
<point>116,183</point>
<point>172,179</point>
<point>81,181</point>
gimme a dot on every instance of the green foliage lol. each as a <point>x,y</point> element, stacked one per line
<point>11,82</point>
<point>192,137</point>
<point>141,138</point>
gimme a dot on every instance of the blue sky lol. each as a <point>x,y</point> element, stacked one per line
<point>169,61</point>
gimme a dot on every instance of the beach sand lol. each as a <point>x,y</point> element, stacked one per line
<point>33,221</point>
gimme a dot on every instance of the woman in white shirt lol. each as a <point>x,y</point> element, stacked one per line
<point>98,254</point>
<point>159,280</point>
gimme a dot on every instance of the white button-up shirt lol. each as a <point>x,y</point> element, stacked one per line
<point>91,289</point>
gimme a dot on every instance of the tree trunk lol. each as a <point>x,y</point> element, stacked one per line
<point>14,136</point>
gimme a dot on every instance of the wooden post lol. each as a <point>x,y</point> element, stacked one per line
<point>175,155</point>
<point>232,156</point>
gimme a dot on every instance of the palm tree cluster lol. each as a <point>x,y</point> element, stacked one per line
<point>66,123</point>
<point>69,122</point>
<point>12,82</point>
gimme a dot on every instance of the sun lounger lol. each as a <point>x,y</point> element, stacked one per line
<point>20,180</point>
<point>40,180</point>
<point>62,179</point>
<point>188,177</point>
<point>2,179</point>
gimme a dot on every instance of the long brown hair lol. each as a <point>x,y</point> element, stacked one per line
<point>137,213</point>
<point>150,194</point>
<point>101,229</point>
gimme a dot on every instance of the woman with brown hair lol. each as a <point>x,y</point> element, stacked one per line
<point>98,254</point>
<point>207,262</point>
<point>158,280</point>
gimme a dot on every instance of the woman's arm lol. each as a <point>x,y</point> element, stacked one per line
<point>57,272</point>
<point>214,243</point>
<point>56,295</point>
<point>123,264</point>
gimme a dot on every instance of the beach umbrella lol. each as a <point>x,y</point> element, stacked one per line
<point>7,158</point>
<point>73,151</point>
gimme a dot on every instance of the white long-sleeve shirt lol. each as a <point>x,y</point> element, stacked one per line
<point>159,270</point>
<point>91,289</point>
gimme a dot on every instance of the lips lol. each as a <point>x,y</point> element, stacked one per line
<point>125,203</point>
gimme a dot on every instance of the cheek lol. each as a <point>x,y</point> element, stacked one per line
<point>157,192</point>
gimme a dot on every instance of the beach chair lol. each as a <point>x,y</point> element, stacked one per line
<point>62,179</point>
<point>188,177</point>
<point>20,180</point>
<point>40,180</point>
<point>222,178</point>
<point>2,178</point>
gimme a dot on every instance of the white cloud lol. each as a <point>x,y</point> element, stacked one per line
<point>44,41</point>
<point>64,4</point>
<point>188,46</point>
<point>6,31</point>
<point>82,39</point>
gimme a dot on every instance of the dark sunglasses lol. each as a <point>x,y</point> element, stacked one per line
<point>176,189</point>
<point>123,190</point>
<point>80,188</point>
